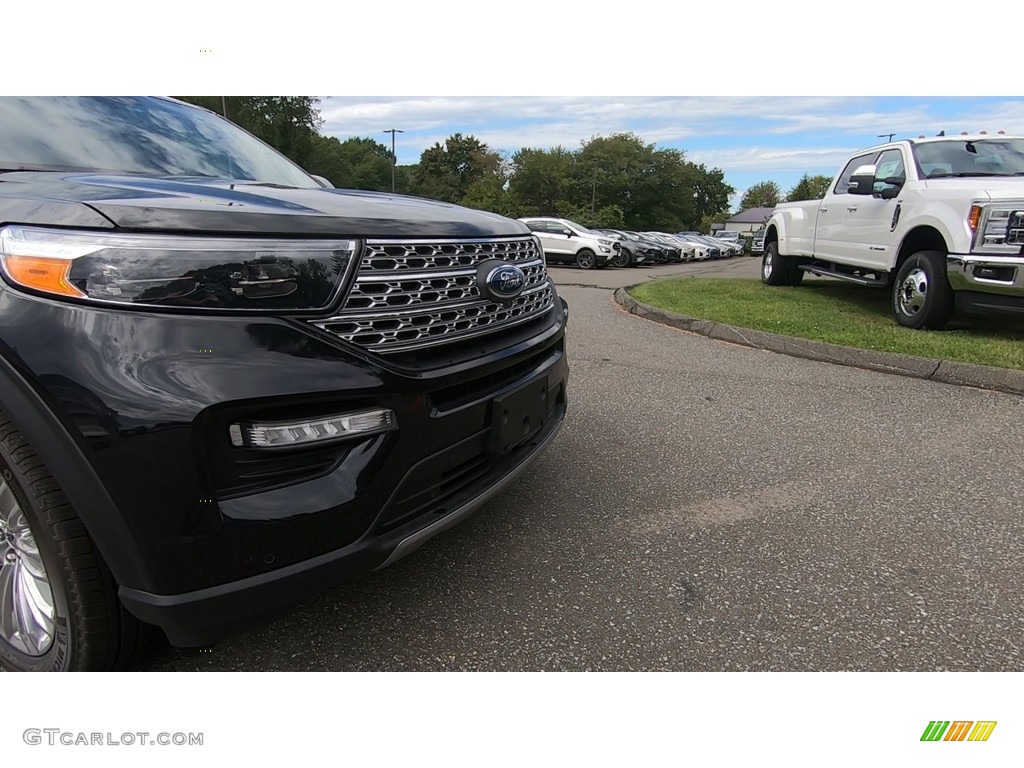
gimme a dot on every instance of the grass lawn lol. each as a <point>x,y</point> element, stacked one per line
<point>840,313</point>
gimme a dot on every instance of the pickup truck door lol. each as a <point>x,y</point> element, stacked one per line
<point>868,231</point>
<point>830,236</point>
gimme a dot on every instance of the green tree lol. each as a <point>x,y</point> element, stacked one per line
<point>708,220</point>
<point>290,124</point>
<point>614,170</point>
<point>809,188</point>
<point>764,194</point>
<point>711,197</point>
<point>355,163</point>
<point>447,171</point>
<point>405,179</point>
<point>541,179</point>
<point>655,188</point>
<point>491,194</point>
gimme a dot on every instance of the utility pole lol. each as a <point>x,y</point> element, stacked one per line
<point>394,159</point>
<point>886,136</point>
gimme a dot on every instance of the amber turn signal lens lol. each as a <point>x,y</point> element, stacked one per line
<point>974,217</point>
<point>49,275</point>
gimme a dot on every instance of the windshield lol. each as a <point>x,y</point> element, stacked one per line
<point>980,157</point>
<point>584,230</point>
<point>135,135</point>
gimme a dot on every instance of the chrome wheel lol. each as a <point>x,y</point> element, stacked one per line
<point>767,265</point>
<point>912,292</point>
<point>27,615</point>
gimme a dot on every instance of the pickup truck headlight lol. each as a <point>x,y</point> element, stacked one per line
<point>997,228</point>
<point>208,273</point>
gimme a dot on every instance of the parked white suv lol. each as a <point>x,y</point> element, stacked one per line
<point>566,242</point>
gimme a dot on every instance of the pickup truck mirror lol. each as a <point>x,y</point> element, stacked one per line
<point>567,232</point>
<point>863,181</point>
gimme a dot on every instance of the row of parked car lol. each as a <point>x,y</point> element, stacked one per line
<point>567,242</point>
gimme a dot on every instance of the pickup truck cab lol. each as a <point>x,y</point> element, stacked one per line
<point>938,221</point>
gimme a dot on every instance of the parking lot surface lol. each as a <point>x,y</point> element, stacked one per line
<point>706,507</point>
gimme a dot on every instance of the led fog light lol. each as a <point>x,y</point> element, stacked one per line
<point>284,434</point>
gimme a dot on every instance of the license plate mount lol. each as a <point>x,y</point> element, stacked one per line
<point>519,415</point>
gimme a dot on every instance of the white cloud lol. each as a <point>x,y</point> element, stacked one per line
<point>847,123</point>
<point>551,120</point>
<point>776,158</point>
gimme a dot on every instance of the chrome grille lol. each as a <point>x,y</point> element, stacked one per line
<point>423,288</point>
<point>398,256</point>
<point>413,294</point>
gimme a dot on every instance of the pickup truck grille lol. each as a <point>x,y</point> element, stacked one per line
<point>414,294</point>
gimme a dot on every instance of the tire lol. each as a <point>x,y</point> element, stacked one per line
<point>47,557</point>
<point>777,269</point>
<point>623,258</point>
<point>921,294</point>
<point>585,259</point>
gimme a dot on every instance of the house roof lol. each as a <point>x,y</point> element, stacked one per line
<point>751,216</point>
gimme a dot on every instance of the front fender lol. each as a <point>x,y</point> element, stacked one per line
<point>66,461</point>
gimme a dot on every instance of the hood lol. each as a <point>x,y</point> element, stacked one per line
<point>992,187</point>
<point>176,204</point>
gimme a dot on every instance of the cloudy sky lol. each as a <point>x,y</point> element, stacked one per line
<point>750,138</point>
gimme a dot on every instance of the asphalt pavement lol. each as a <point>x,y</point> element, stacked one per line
<point>706,507</point>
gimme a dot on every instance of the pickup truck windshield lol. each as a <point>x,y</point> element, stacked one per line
<point>136,135</point>
<point>983,157</point>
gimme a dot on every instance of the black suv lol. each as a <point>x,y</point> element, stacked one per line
<point>225,385</point>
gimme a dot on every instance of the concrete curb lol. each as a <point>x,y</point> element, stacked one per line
<point>946,371</point>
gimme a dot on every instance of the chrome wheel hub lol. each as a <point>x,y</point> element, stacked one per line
<point>767,268</point>
<point>912,292</point>
<point>27,615</point>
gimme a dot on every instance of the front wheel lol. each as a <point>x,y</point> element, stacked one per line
<point>586,259</point>
<point>779,270</point>
<point>623,258</point>
<point>58,603</point>
<point>921,294</point>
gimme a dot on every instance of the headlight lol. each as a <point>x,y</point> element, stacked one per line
<point>177,271</point>
<point>997,228</point>
<point>605,242</point>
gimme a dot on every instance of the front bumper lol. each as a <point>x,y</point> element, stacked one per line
<point>987,283</point>
<point>206,616</point>
<point>214,536</point>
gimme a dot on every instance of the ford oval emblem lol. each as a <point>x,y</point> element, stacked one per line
<point>505,281</point>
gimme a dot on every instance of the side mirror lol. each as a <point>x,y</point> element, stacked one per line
<point>567,232</point>
<point>322,181</point>
<point>863,181</point>
<point>888,193</point>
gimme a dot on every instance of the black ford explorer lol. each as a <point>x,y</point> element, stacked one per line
<point>225,385</point>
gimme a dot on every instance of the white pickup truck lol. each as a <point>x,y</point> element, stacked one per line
<point>937,221</point>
